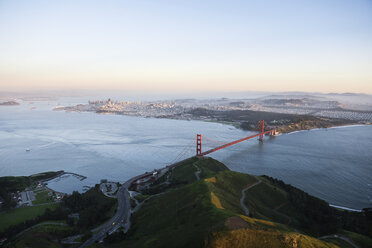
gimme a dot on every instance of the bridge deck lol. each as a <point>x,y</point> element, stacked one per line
<point>235,142</point>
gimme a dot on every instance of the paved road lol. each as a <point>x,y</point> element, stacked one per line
<point>120,219</point>
<point>197,172</point>
<point>122,216</point>
<point>246,210</point>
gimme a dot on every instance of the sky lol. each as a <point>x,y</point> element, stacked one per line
<point>186,46</point>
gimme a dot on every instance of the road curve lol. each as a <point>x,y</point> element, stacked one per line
<point>336,236</point>
<point>122,216</point>
<point>245,208</point>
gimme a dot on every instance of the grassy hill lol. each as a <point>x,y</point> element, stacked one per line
<point>20,215</point>
<point>198,204</point>
<point>207,213</point>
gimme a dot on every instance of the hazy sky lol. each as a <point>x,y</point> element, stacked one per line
<point>187,45</point>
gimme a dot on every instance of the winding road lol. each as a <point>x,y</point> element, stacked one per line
<point>121,217</point>
<point>335,236</point>
<point>245,208</point>
<point>123,212</point>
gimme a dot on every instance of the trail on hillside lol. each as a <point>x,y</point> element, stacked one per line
<point>197,172</point>
<point>245,208</point>
<point>335,236</point>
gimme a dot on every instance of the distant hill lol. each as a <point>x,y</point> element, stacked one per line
<point>198,204</point>
<point>9,103</point>
<point>347,94</point>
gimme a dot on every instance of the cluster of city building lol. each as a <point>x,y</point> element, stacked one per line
<point>180,109</point>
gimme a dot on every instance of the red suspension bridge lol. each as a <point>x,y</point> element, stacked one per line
<point>181,157</point>
<point>261,130</point>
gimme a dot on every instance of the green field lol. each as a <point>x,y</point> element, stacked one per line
<point>18,215</point>
<point>42,236</point>
<point>42,196</point>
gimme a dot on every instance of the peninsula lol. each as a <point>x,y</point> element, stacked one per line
<point>9,103</point>
<point>289,116</point>
<point>197,202</point>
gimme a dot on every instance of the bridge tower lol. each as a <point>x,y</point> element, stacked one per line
<point>261,129</point>
<point>198,145</point>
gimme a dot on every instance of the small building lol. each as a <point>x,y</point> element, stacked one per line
<point>142,182</point>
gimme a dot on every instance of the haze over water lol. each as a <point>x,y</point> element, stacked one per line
<point>333,164</point>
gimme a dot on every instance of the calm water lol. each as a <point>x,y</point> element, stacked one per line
<point>333,164</point>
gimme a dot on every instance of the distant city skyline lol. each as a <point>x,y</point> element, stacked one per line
<point>186,46</point>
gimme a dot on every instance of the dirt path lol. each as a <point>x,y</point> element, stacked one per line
<point>197,173</point>
<point>245,208</point>
<point>336,236</point>
<point>41,224</point>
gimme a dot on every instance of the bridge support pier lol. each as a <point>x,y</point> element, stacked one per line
<point>198,145</point>
<point>261,128</point>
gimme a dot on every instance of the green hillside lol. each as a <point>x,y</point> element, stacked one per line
<point>207,213</point>
<point>199,204</point>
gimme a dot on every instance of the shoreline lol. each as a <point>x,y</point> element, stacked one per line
<point>46,181</point>
<point>228,123</point>
<point>235,125</point>
<point>346,208</point>
<point>176,163</point>
<point>325,128</point>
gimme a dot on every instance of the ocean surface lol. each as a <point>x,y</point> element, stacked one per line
<point>333,164</point>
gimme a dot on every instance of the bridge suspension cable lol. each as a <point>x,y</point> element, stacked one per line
<point>186,149</point>
<point>213,141</point>
<point>261,133</point>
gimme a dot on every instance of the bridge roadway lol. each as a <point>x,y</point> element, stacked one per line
<point>235,142</point>
<point>123,212</point>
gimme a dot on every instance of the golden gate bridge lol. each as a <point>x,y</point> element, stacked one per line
<point>261,129</point>
<point>261,132</point>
